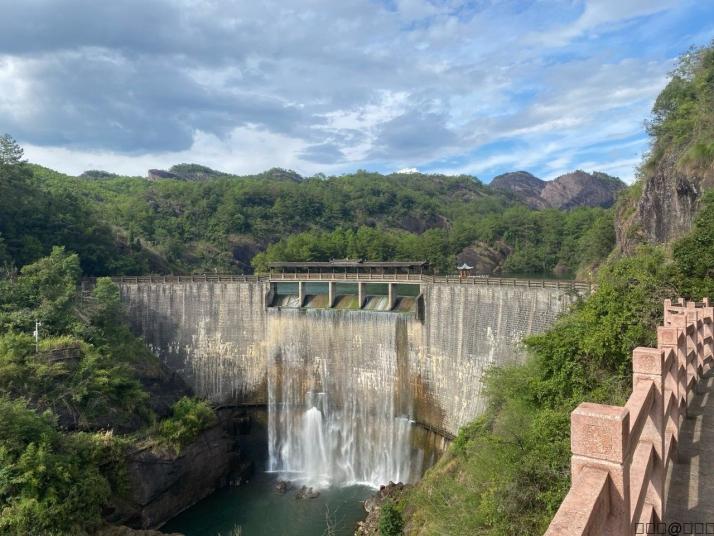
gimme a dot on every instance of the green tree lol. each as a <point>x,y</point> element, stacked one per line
<point>11,154</point>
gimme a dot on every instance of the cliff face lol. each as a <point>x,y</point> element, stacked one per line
<point>579,189</point>
<point>666,207</point>
<point>576,189</point>
<point>680,166</point>
<point>162,483</point>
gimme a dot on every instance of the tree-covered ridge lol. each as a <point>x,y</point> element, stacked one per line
<point>39,210</point>
<point>547,242</point>
<point>224,223</point>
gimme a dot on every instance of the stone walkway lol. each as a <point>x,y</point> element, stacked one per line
<point>691,492</point>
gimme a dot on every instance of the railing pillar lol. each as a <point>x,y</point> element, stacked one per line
<point>672,338</point>
<point>600,439</point>
<point>648,364</point>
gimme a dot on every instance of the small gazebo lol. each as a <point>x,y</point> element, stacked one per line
<point>465,270</point>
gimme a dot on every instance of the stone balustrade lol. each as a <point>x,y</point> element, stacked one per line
<point>621,455</point>
<point>579,286</point>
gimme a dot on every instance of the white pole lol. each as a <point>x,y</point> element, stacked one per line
<point>37,335</point>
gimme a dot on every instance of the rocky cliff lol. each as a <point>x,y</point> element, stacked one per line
<point>162,483</point>
<point>662,205</point>
<point>567,191</point>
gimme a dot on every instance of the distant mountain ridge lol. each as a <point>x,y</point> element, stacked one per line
<point>575,189</point>
<point>197,172</point>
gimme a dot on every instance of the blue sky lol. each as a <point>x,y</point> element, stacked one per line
<point>477,87</point>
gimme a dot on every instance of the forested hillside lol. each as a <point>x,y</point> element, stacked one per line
<point>206,221</point>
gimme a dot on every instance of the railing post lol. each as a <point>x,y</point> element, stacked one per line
<point>706,313</point>
<point>599,438</point>
<point>648,364</point>
<point>672,338</point>
<point>695,339</point>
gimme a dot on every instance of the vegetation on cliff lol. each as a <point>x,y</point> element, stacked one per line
<point>663,203</point>
<point>58,469</point>
<point>189,417</point>
<point>683,115</point>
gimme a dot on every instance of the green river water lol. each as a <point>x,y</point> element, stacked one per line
<point>259,511</point>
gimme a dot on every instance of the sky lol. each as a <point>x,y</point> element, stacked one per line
<point>476,87</point>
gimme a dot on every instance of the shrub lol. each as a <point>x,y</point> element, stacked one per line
<point>390,520</point>
<point>50,483</point>
<point>190,417</point>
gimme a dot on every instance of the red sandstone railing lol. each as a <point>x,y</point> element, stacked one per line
<point>621,455</point>
<point>416,278</point>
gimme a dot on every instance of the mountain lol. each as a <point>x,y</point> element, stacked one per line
<point>575,189</point>
<point>525,186</point>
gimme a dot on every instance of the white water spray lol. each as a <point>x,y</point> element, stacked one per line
<point>338,414</point>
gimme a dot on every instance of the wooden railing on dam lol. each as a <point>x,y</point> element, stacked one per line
<point>581,286</point>
<point>621,455</point>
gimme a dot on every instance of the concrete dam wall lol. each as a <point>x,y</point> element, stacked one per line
<point>231,348</point>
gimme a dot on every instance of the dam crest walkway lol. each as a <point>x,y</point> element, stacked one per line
<point>563,284</point>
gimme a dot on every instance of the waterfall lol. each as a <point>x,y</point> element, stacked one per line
<point>339,404</point>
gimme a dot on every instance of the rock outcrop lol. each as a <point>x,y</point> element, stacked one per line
<point>523,185</point>
<point>576,189</point>
<point>666,207</point>
<point>486,259</point>
<point>580,189</point>
<point>157,174</point>
<point>373,505</point>
<point>113,530</point>
<point>162,483</point>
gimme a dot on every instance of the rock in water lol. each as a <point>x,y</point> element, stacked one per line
<point>307,493</point>
<point>282,487</point>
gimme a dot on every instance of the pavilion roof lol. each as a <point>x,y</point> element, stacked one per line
<point>348,263</point>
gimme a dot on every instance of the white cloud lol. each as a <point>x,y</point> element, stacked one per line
<point>317,85</point>
<point>246,150</point>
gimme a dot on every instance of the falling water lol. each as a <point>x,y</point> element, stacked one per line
<point>339,408</point>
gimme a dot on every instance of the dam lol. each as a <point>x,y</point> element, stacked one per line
<point>348,364</point>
